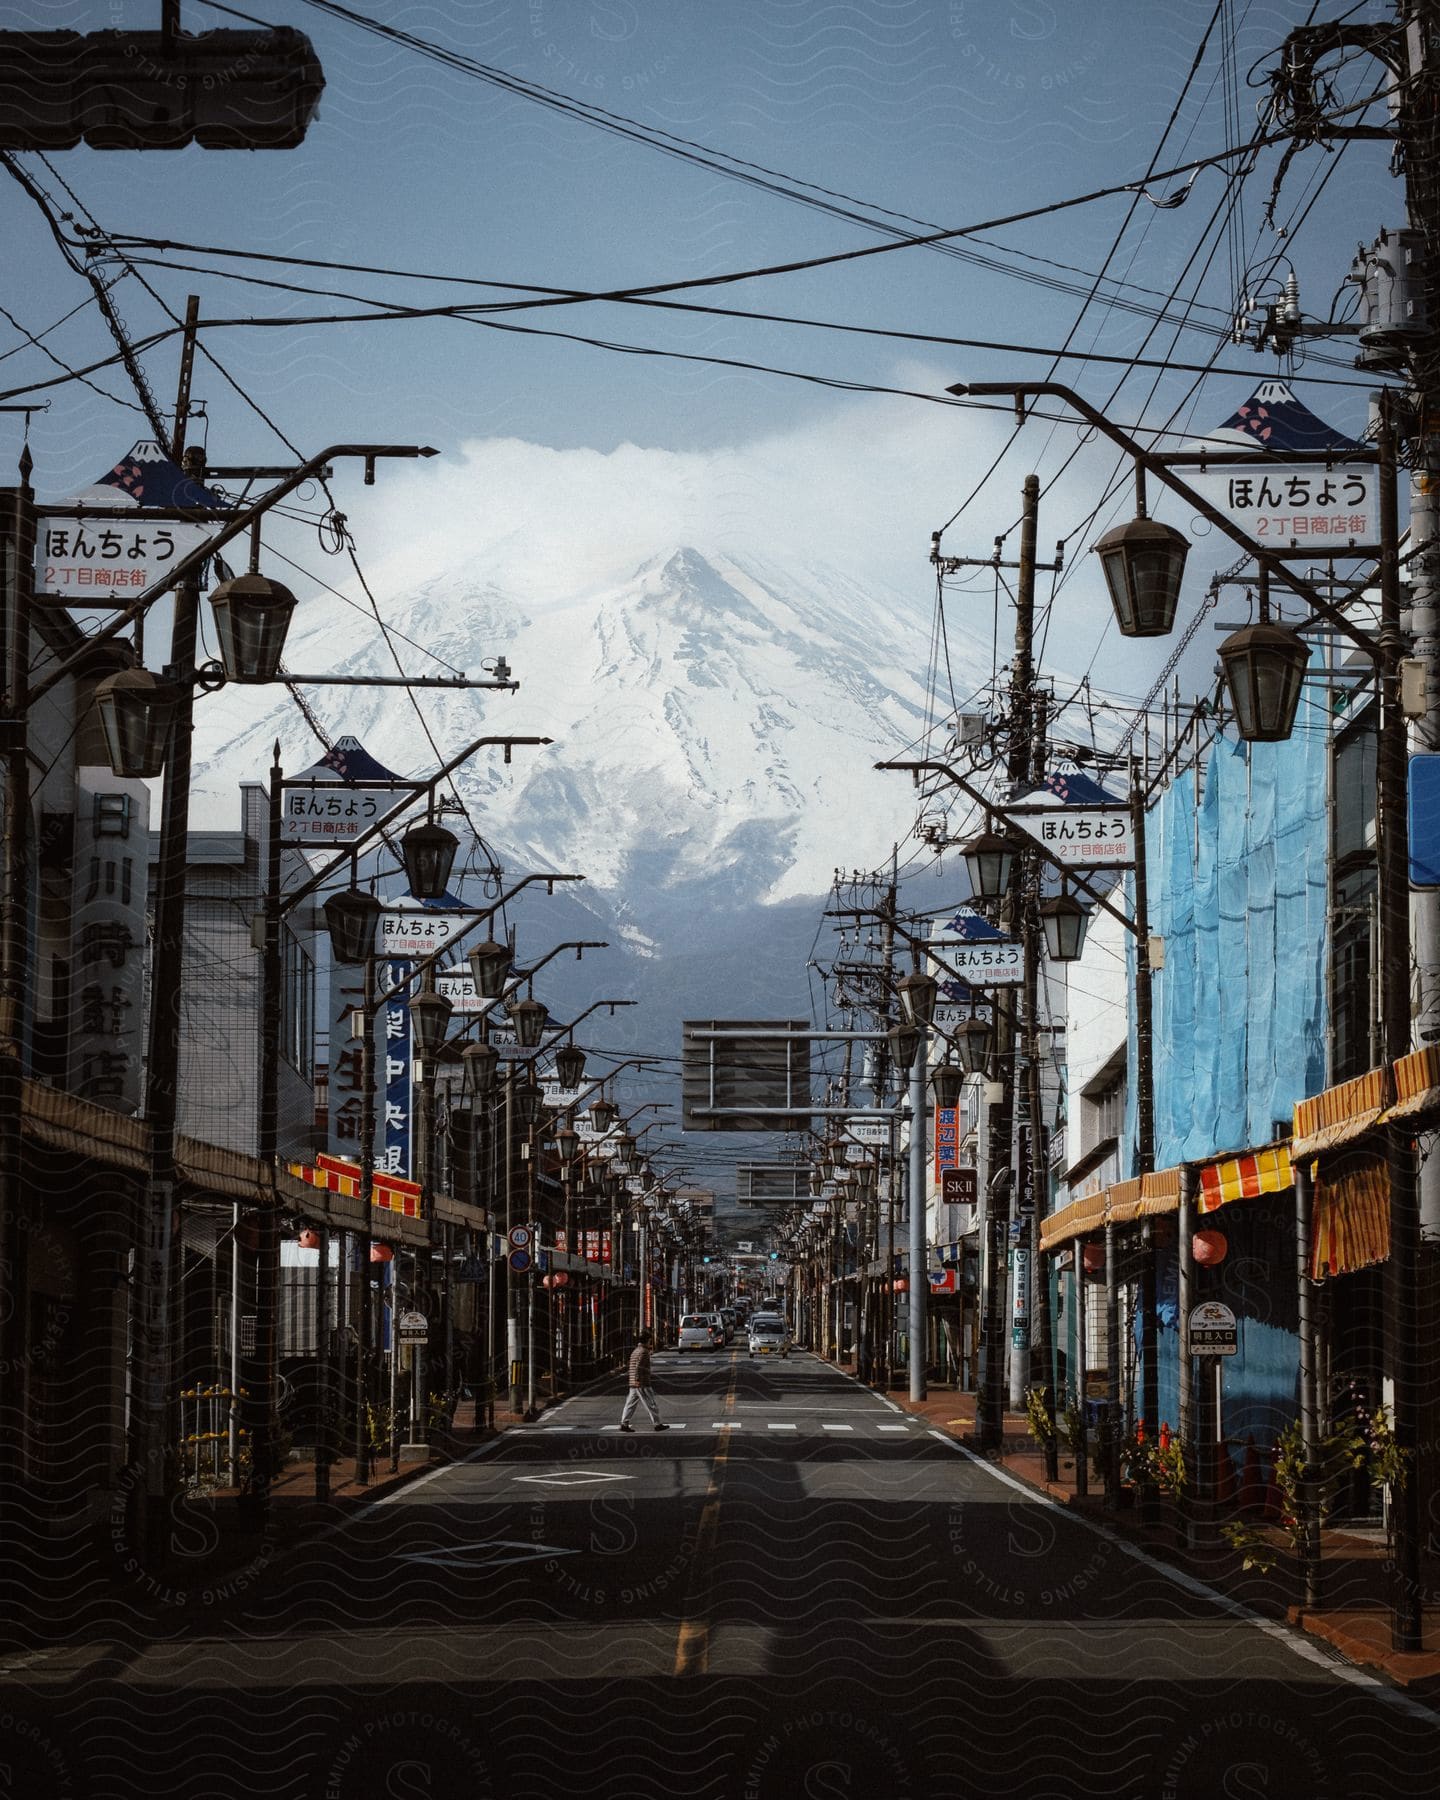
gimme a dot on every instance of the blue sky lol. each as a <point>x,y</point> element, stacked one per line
<point>949,112</point>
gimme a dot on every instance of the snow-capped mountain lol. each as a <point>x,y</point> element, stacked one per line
<point>715,721</point>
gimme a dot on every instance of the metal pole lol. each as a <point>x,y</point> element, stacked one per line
<point>1145,1127</point>
<point>512,1298</point>
<point>1186,1300</point>
<point>1402,1270</point>
<point>364,1324</point>
<point>322,1368</point>
<point>919,1258</point>
<point>15,893</point>
<point>1082,1447</point>
<point>1309,1499</point>
<point>1112,1359</point>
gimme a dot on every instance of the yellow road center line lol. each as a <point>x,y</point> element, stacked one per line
<point>692,1645</point>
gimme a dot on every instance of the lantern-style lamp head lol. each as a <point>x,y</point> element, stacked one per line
<point>429,1021</point>
<point>1143,564</point>
<point>947,1081</point>
<point>570,1066</point>
<point>135,708</point>
<point>351,918</point>
<point>429,853</point>
<point>971,1038</point>
<point>252,615</point>
<point>567,1147</point>
<point>988,861</point>
<point>1063,921</point>
<point>478,1063</point>
<point>528,1019</point>
<point>529,1102</point>
<point>624,1158</point>
<point>1264,666</point>
<point>917,998</point>
<point>904,1042</point>
<point>489,965</point>
<point>603,1114</point>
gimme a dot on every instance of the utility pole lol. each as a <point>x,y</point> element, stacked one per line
<point>990,1408</point>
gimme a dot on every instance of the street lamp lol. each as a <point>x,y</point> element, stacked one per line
<point>1063,921</point>
<point>972,1038</point>
<point>529,1098</point>
<point>527,1017</point>
<point>351,918</point>
<point>603,1114</point>
<point>904,1042</point>
<point>429,1020</point>
<point>429,855</point>
<point>252,616</point>
<point>135,708</point>
<point>489,965</point>
<point>1264,666</point>
<point>478,1063</point>
<point>1143,563</point>
<point>567,1148</point>
<point>947,1082</point>
<point>988,861</point>
<point>569,1066</point>
<point>917,993</point>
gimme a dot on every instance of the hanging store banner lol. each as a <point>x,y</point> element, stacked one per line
<point>416,931</point>
<point>458,987</point>
<point>332,813</point>
<point>1302,509</point>
<point>104,561</point>
<point>984,964</point>
<point>1079,836</point>
<point>947,1139</point>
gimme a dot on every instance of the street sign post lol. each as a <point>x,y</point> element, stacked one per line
<point>1211,1330</point>
<point>412,1328</point>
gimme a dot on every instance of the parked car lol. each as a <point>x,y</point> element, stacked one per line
<point>700,1331</point>
<point>768,1337</point>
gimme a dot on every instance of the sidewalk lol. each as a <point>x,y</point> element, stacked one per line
<point>1354,1617</point>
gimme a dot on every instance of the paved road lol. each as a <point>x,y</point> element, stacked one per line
<point>797,1591</point>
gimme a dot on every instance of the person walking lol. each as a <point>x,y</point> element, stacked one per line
<point>641,1392</point>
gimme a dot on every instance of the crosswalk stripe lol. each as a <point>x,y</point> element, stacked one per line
<point>837,1427</point>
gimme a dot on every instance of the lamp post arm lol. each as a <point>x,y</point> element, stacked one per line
<point>561,1030</point>
<point>1158,466</point>
<point>321,876</point>
<point>939,768</point>
<point>240,522</point>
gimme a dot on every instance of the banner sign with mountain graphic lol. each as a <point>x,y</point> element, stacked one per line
<point>107,561</point>
<point>1328,507</point>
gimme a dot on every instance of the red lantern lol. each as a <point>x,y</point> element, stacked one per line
<point>381,1253</point>
<point>560,1279</point>
<point>1209,1247</point>
<point>902,1286</point>
<point>1094,1258</point>
<point>309,1239</point>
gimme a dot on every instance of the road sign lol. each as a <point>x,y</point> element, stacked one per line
<point>519,1261</point>
<point>1211,1330</point>
<point>412,1328</point>
<point>519,1237</point>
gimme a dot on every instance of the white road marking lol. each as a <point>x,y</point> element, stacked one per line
<point>837,1427</point>
<point>1281,1634</point>
<point>892,1427</point>
<point>573,1478</point>
<point>774,1427</point>
<point>485,1556</point>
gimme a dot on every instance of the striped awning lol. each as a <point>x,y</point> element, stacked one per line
<point>1417,1086</point>
<point>1072,1221</point>
<point>1352,1217</point>
<point>1124,1198</point>
<point>1160,1193</point>
<point>392,1192</point>
<point>1339,1115</point>
<point>1245,1177</point>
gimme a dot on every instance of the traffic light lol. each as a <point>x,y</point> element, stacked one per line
<point>774,1256</point>
<point>705,1259</point>
<point>156,90</point>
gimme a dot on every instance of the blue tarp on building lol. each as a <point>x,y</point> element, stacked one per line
<point>1237,892</point>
